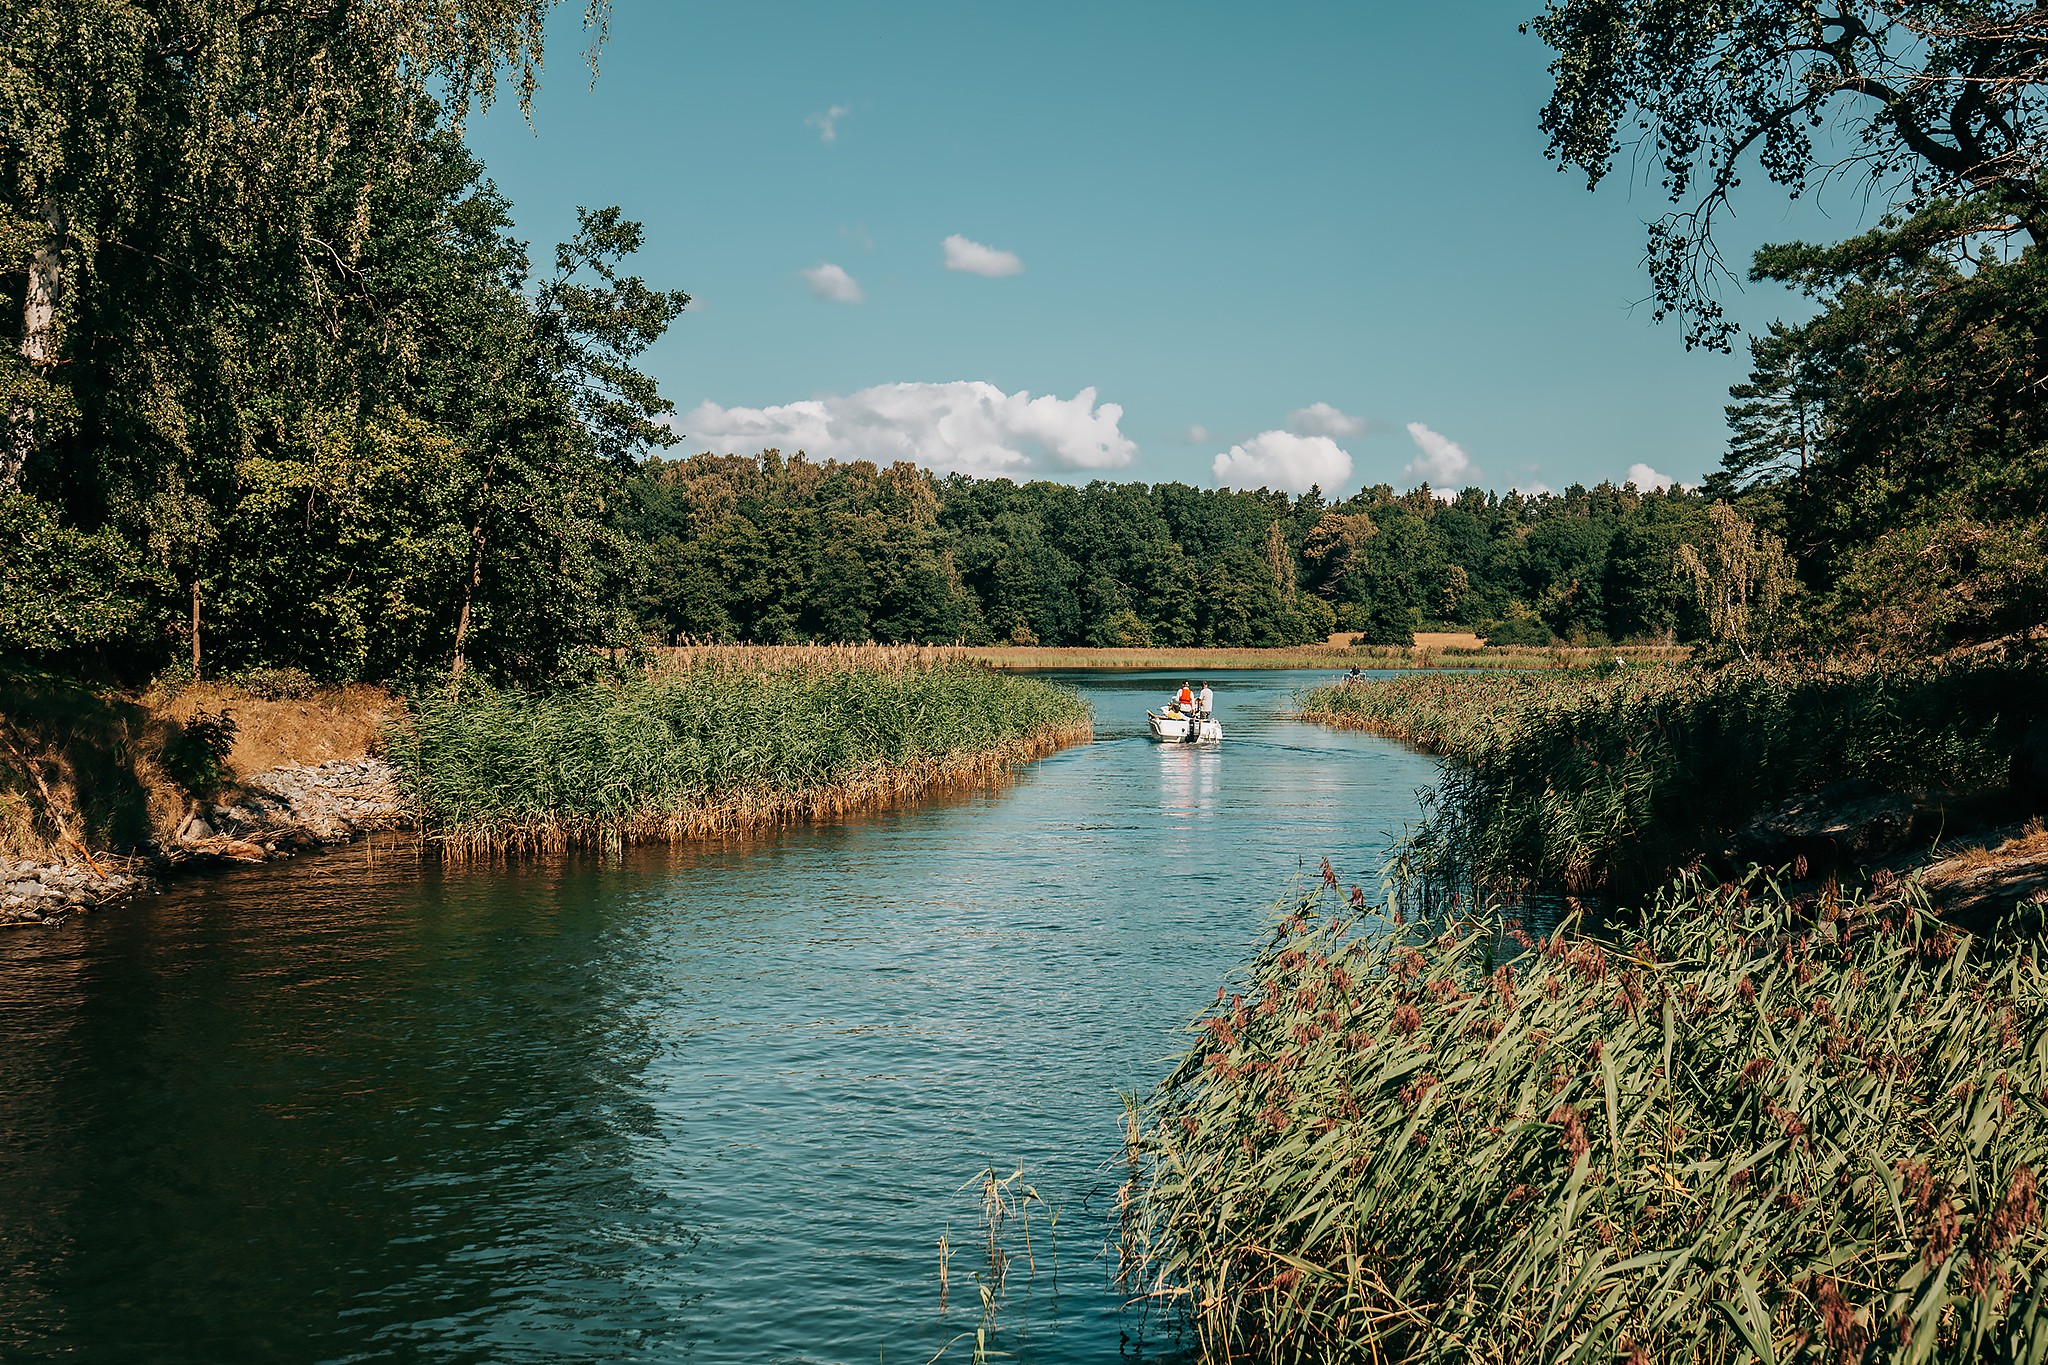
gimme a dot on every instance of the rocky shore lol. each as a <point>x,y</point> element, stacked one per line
<point>273,814</point>
<point>286,810</point>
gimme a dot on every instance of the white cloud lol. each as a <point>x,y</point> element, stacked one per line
<point>827,123</point>
<point>976,259</point>
<point>1647,479</point>
<point>1198,435</point>
<point>1320,419</point>
<point>1533,490</point>
<point>828,281</point>
<point>968,426</point>
<point>1281,459</point>
<point>1443,463</point>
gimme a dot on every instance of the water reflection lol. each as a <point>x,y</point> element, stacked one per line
<point>715,1101</point>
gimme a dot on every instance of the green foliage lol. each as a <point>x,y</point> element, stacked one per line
<point>197,757</point>
<point>644,756</point>
<point>780,549</point>
<point>1746,1123</point>
<point>62,591</point>
<point>1604,779</point>
<point>1919,516</point>
<point>1526,631</point>
<point>276,684</point>
<point>1932,96</point>
<point>299,368</point>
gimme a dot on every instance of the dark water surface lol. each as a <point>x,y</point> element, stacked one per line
<point>714,1104</point>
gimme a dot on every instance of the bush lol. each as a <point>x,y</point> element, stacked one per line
<point>197,758</point>
<point>1525,632</point>
<point>276,684</point>
<point>1747,1121</point>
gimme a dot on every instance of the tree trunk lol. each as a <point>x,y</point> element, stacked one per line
<point>476,577</point>
<point>38,338</point>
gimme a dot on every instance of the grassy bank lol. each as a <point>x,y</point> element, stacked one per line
<point>713,746</point>
<point>1748,1129</point>
<point>1306,656</point>
<point>90,768</point>
<point>1610,778</point>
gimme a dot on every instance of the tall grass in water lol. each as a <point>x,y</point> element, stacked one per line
<point>1609,778</point>
<point>714,748</point>
<point>1749,1129</point>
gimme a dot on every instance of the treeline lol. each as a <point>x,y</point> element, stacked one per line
<point>779,549</point>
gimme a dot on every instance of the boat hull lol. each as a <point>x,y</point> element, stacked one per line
<point>1176,729</point>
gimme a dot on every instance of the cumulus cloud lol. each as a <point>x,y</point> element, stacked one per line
<point>976,259</point>
<point>1648,479</point>
<point>1320,419</point>
<point>828,281</point>
<point>1443,463</point>
<point>827,123</point>
<point>969,426</point>
<point>1533,490</point>
<point>1281,459</point>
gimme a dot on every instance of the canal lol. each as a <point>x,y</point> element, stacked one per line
<point>716,1103</point>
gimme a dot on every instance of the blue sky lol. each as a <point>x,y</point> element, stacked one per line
<point>1220,216</point>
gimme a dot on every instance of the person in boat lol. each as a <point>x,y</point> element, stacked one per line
<point>1355,677</point>
<point>1205,701</point>
<point>1185,699</point>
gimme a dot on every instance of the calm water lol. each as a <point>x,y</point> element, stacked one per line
<point>713,1105</point>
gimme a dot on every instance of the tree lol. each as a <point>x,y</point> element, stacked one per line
<point>1738,574</point>
<point>1941,99</point>
<point>1780,418</point>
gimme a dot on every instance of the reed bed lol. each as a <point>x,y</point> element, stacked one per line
<point>713,748</point>
<point>1303,656</point>
<point>866,657</point>
<point>1606,779</point>
<point>1749,1129</point>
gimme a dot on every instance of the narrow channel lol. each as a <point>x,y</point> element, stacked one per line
<point>715,1103</point>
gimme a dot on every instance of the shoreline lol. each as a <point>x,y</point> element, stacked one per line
<point>294,809</point>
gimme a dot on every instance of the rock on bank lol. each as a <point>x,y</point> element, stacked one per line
<point>284,810</point>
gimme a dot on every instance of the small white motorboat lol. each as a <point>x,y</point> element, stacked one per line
<point>1178,728</point>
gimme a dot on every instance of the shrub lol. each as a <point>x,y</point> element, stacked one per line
<point>197,757</point>
<point>1525,632</point>
<point>276,684</point>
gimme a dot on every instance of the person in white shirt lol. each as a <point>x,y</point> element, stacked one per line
<point>1204,702</point>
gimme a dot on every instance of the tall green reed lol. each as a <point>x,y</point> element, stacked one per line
<point>718,746</point>
<point>1749,1128</point>
<point>1609,778</point>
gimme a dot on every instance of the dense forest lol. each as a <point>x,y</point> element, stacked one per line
<point>282,388</point>
<point>784,549</point>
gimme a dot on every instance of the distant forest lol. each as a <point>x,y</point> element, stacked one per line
<point>783,549</point>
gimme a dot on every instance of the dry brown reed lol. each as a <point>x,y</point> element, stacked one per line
<point>865,657</point>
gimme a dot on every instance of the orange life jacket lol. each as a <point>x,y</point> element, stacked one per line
<point>1186,697</point>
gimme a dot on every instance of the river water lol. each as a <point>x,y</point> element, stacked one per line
<point>711,1104</point>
